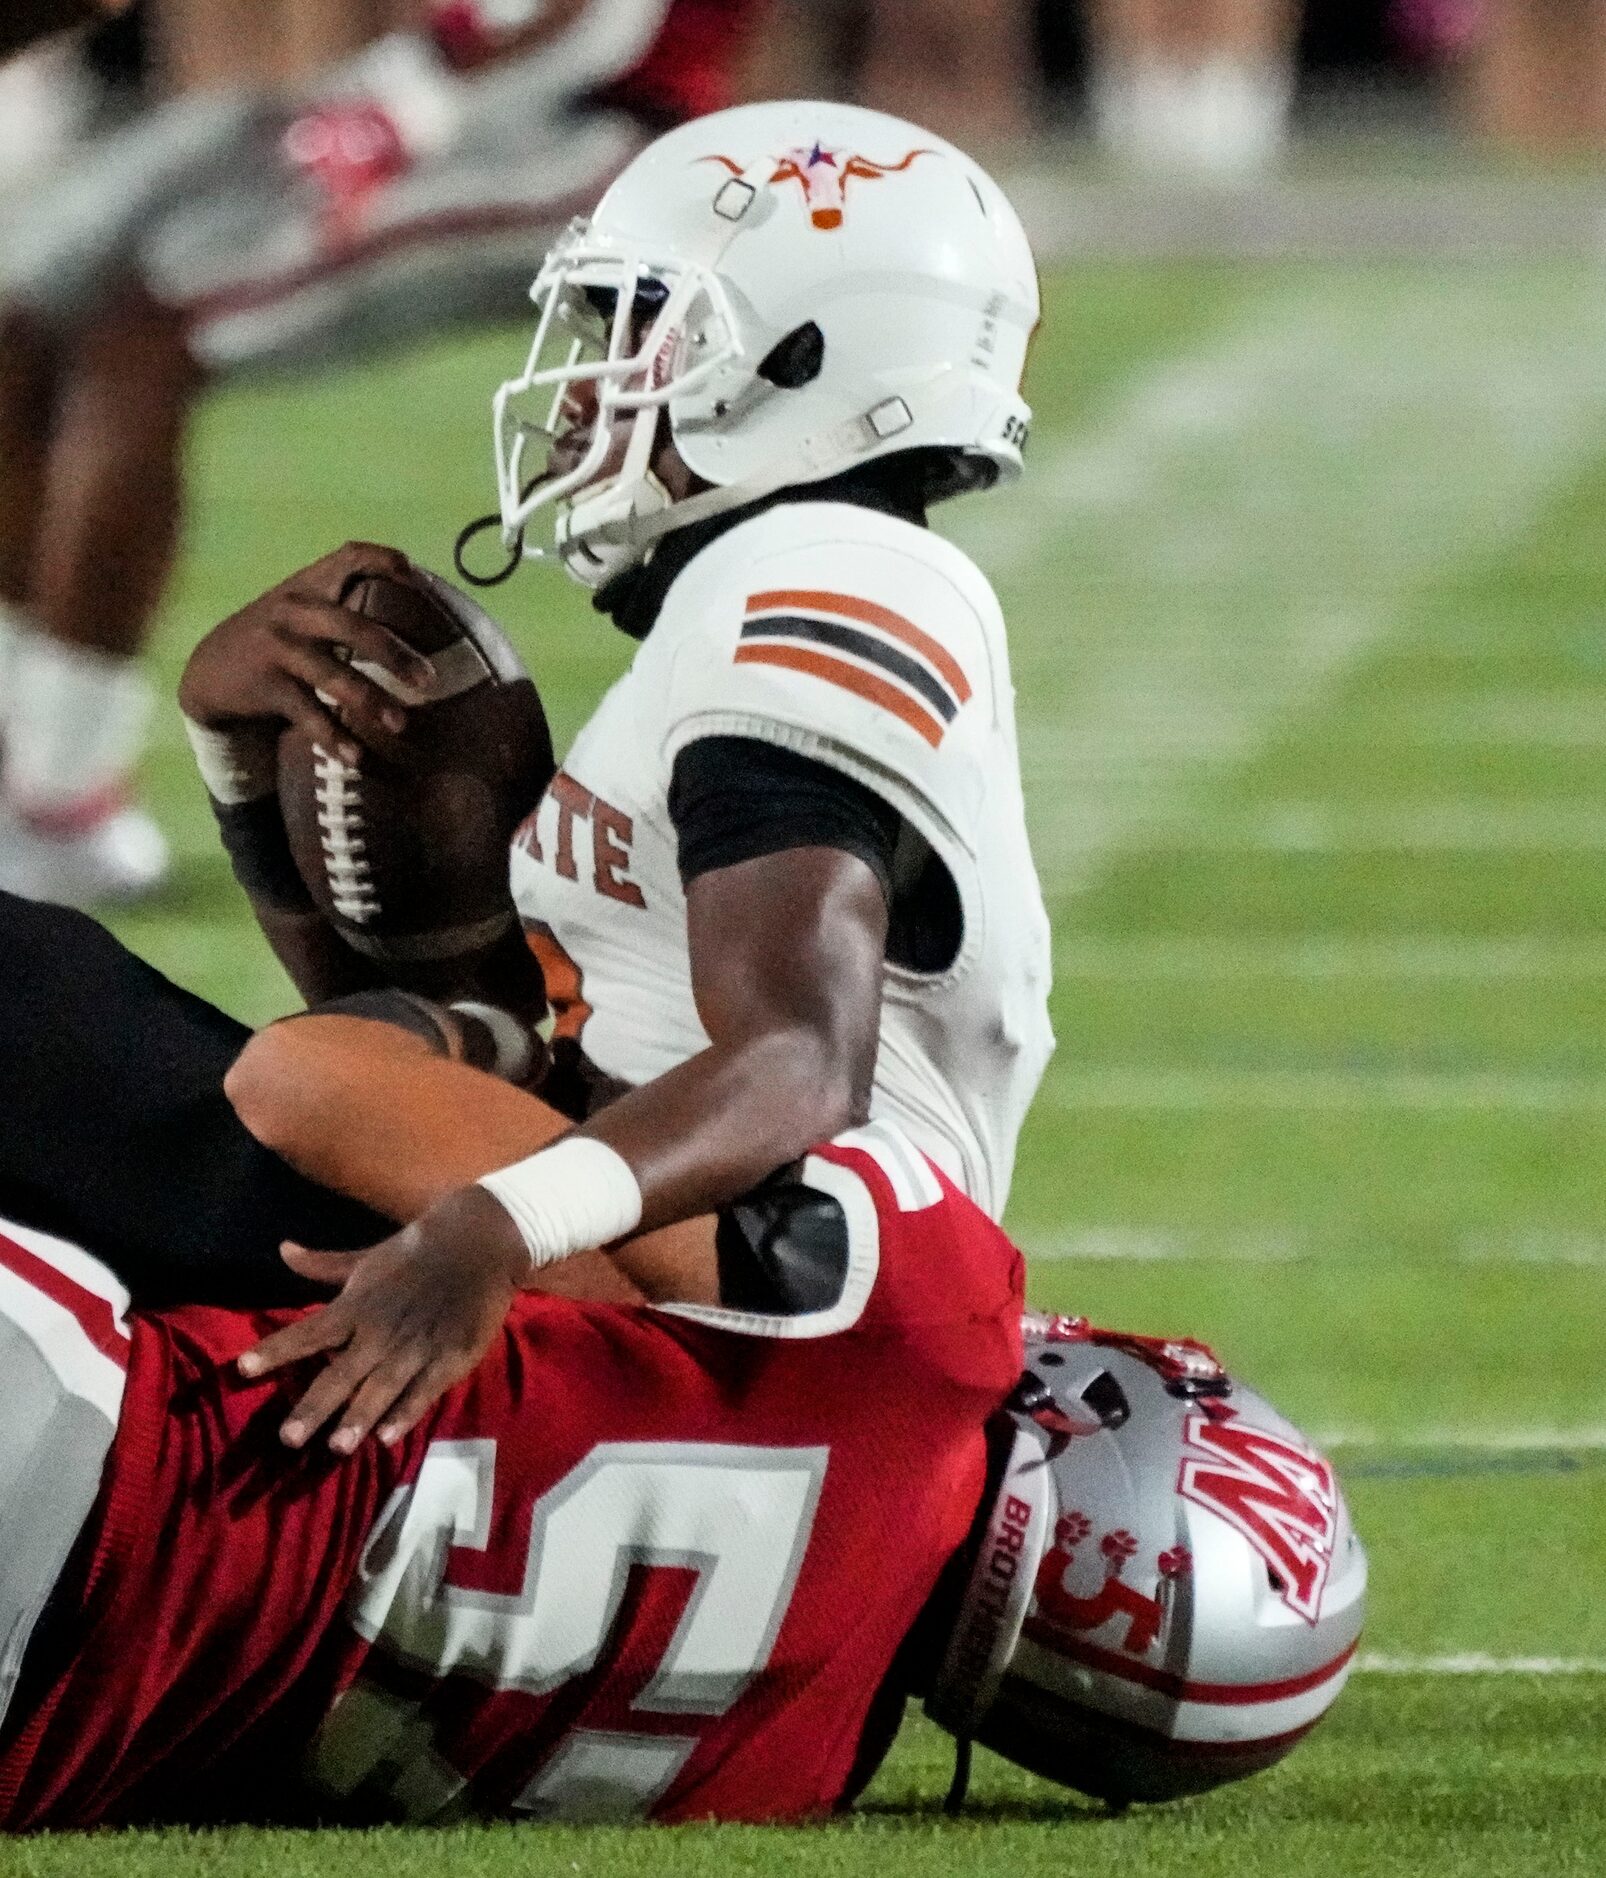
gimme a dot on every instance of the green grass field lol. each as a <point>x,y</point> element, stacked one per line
<point>1308,595</point>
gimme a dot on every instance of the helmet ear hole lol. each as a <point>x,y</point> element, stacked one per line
<point>1107,1399</point>
<point>795,361</point>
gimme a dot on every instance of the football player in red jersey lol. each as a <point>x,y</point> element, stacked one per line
<point>675,1563</point>
<point>608,1570</point>
<point>494,1610</point>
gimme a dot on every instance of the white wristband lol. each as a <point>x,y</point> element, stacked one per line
<point>236,765</point>
<point>569,1198</point>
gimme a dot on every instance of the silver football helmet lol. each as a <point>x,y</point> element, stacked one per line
<point>1168,1591</point>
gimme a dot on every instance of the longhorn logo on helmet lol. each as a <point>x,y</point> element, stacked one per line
<point>824,174</point>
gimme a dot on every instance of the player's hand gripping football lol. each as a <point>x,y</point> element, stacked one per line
<point>276,660</point>
<point>414,1315</point>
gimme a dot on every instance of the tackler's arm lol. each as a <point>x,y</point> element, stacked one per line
<point>397,1101</point>
<point>391,1098</point>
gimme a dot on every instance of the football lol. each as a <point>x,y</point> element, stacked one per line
<point>405,852</point>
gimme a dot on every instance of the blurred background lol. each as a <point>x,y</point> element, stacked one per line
<point>196,195</point>
<point>1305,589</point>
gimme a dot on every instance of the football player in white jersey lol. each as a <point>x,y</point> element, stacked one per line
<point>782,882</point>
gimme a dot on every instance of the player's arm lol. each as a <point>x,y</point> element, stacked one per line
<point>786,959</point>
<point>787,950</point>
<point>24,21</point>
<point>399,1101</point>
<point>393,1099</point>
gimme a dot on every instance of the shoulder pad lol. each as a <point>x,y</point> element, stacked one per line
<point>850,636</point>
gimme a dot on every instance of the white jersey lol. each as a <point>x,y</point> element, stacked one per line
<point>877,647</point>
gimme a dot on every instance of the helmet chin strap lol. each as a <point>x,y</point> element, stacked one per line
<point>954,1801</point>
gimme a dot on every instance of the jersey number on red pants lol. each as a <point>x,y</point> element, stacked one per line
<point>740,1517</point>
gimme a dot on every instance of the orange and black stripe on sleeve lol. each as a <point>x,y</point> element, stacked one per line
<point>861,647</point>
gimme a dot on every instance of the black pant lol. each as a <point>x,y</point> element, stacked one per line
<point>115,1132</point>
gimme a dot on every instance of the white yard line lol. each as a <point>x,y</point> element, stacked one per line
<point>1324,1091</point>
<point>1159,1245</point>
<point>1249,521</point>
<point>1460,1439</point>
<point>1544,720</point>
<point>1425,955</point>
<point>1520,1247</point>
<point>1451,827</point>
<point>1476,1663</point>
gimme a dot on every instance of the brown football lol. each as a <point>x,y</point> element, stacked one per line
<point>406,852</point>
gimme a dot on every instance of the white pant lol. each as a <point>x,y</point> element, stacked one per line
<point>63,1364</point>
<point>194,200</point>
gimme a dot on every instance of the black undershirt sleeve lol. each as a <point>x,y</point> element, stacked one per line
<point>733,799</point>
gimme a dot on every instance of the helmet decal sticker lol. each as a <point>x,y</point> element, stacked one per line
<point>1279,1495</point>
<point>1118,1547</point>
<point>1060,1606</point>
<point>987,1615</point>
<point>823,174</point>
<point>1186,1366</point>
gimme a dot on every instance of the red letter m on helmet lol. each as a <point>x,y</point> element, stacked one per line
<point>1280,1497</point>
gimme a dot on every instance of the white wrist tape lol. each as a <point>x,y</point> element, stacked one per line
<point>569,1198</point>
<point>236,765</point>
<point>515,1052</point>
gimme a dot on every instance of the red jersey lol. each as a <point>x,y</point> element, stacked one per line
<point>643,1563</point>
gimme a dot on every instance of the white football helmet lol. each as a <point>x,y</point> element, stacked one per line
<point>1168,1591</point>
<point>802,288</point>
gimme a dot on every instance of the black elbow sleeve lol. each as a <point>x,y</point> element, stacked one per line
<point>258,848</point>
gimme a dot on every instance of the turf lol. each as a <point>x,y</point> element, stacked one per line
<point>1311,659</point>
